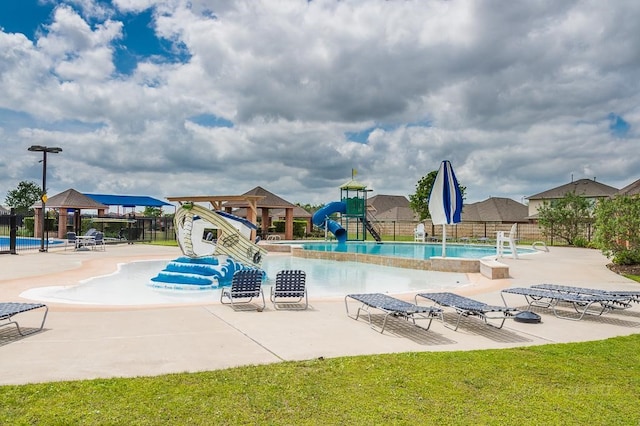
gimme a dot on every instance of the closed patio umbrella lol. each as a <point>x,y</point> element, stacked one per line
<point>445,201</point>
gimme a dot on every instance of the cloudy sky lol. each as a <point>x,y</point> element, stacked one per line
<point>212,97</point>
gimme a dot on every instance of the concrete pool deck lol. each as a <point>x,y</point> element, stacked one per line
<point>84,342</point>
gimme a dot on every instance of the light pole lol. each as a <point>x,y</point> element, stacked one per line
<point>43,197</point>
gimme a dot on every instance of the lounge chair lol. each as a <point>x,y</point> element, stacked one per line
<point>419,234</point>
<point>580,302</point>
<point>466,307</point>
<point>289,291</point>
<point>392,307</point>
<point>633,296</point>
<point>10,309</point>
<point>246,285</point>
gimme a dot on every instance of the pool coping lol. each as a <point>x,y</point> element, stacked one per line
<point>488,266</point>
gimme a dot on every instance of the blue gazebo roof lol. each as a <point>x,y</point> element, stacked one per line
<point>128,200</point>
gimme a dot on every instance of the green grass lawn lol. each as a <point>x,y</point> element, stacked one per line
<point>578,383</point>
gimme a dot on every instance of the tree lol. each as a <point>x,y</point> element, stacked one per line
<point>152,211</point>
<point>419,201</point>
<point>566,217</point>
<point>24,197</point>
<point>618,229</point>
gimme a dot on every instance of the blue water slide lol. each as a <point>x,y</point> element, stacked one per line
<point>322,215</point>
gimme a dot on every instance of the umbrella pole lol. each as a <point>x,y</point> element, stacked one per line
<point>444,240</point>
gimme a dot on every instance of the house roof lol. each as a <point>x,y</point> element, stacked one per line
<point>398,214</point>
<point>583,187</point>
<point>127,200</point>
<point>270,200</point>
<point>72,199</point>
<point>495,209</point>
<point>3,210</point>
<point>382,203</point>
<point>631,189</point>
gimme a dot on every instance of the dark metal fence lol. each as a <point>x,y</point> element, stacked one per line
<point>10,241</point>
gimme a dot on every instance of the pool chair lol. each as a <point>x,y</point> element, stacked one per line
<point>391,306</point>
<point>583,304</point>
<point>632,296</point>
<point>246,285</point>
<point>99,241</point>
<point>419,234</point>
<point>290,290</point>
<point>9,309</point>
<point>466,307</point>
<point>71,239</point>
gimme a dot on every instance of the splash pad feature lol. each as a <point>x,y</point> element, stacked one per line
<point>216,244</point>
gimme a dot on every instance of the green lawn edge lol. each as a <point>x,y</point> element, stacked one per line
<point>576,383</point>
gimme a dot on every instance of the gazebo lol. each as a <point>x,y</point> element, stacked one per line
<point>65,201</point>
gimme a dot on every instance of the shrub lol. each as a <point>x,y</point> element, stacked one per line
<point>618,229</point>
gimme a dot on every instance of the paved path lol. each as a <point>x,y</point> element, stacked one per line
<point>82,342</point>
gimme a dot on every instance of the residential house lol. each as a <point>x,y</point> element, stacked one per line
<point>587,188</point>
<point>631,189</point>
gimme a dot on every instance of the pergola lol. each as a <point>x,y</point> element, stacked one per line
<point>217,202</point>
<point>248,201</point>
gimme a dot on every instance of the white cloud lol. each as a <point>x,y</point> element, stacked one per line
<point>516,95</point>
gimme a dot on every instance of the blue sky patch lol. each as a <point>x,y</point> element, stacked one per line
<point>140,43</point>
<point>618,126</point>
<point>24,16</point>
<point>210,120</point>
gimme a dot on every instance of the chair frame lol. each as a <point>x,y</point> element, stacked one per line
<point>71,237</point>
<point>419,233</point>
<point>246,285</point>
<point>466,307</point>
<point>99,241</point>
<point>10,309</point>
<point>633,296</point>
<point>391,306</point>
<point>581,303</point>
<point>290,284</point>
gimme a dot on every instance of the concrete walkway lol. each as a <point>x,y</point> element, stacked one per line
<point>83,342</point>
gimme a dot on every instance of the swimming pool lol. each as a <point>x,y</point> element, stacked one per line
<point>128,286</point>
<point>408,250</point>
<point>27,242</point>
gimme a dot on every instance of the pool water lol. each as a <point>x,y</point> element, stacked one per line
<point>409,250</point>
<point>129,285</point>
<point>26,242</point>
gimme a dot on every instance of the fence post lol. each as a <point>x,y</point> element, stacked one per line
<point>13,231</point>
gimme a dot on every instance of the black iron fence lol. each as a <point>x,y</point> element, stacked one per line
<point>11,239</point>
<point>17,234</point>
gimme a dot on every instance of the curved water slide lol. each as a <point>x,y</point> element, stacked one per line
<point>321,219</point>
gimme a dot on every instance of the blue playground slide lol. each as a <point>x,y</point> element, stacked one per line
<point>321,216</point>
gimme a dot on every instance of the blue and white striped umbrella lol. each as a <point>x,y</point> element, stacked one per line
<point>445,201</point>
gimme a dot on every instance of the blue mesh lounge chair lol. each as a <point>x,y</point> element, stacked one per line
<point>466,307</point>
<point>633,296</point>
<point>290,290</point>
<point>9,309</point>
<point>246,285</point>
<point>581,303</point>
<point>391,306</point>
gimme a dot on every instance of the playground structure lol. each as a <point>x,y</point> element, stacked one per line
<point>354,217</point>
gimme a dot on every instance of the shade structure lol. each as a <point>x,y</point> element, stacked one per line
<point>445,201</point>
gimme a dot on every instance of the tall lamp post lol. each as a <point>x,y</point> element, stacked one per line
<point>44,150</point>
